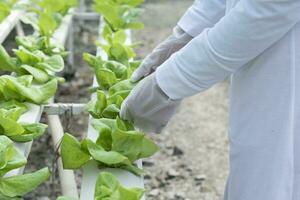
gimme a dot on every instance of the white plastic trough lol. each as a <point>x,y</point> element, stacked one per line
<point>91,171</point>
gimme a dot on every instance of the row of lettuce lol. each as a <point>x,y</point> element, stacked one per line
<point>32,79</point>
<point>119,144</point>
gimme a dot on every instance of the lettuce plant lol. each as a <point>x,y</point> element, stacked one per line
<point>131,3</point>
<point>118,146</point>
<point>36,63</point>
<point>107,105</point>
<point>33,67</point>
<point>21,89</point>
<point>108,72</point>
<point>6,62</point>
<point>41,43</point>
<point>10,113</point>
<point>46,15</point>
<point>44,23</point>
<point>14,187</point>
<point>116,46</point>
<point>108,187</point>
<point>54,6</point>
<point>118,14</point>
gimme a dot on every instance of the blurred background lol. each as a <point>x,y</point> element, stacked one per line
<point>193,161</point>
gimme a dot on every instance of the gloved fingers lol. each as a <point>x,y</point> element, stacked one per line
<point>124,112</point>
<point>161,53</point>
<point>140,73</point>
<point>148,107</point>
<point>157,119</point>
<point>148,66</point>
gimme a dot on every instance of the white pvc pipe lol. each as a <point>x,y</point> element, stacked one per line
<point>67,177</point>
<point>19,29</point>
<point>9,23</point>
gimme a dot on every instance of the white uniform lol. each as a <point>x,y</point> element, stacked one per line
<point>257,43</point>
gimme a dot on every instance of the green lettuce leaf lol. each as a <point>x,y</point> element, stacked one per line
<point>31,132</point>
<point>20,185</point>
<point>10,157</point>
<point>14,104</point>
<point>120,136</point>
<point>4,10</point>
<point>42,43</point>
<point>108,187</point>
<point>96,107</point>
<point>8,123</point>
<point>28,57</point>
<point>119,15</point>
<point>39,75</point>
<point>2,197</point>
<point>47,23</point>
<point>54,63</point>
<point>22,89</point>
<point>6,62</point>
<point>73,156</point>
<point>108,158</point>
<point>132,3</point>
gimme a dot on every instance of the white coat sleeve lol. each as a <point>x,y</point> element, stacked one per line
<point>244,33</point>
<point>202,14</point>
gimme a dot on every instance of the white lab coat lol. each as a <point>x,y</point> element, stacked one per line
<point>257,43</point>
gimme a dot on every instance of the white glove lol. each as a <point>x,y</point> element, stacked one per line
<point>148,107</point>
<point>161,53</point>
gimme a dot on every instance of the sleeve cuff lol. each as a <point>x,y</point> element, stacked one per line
<point>193,69</point>
<point>172,82</point>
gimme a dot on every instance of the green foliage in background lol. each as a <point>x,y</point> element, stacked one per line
<point>120,14</point>
<point>5,8</point>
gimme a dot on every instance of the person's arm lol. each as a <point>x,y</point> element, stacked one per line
<point>202,14</point>
<point>250,28</point>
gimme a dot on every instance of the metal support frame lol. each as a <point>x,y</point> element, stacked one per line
<point>64,108</point>
<point>70,45</point>
<point>86,16</point>
<point>81,16</point>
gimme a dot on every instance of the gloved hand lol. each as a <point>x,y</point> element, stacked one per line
<point>148,107</point>
<point>161,53</point>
